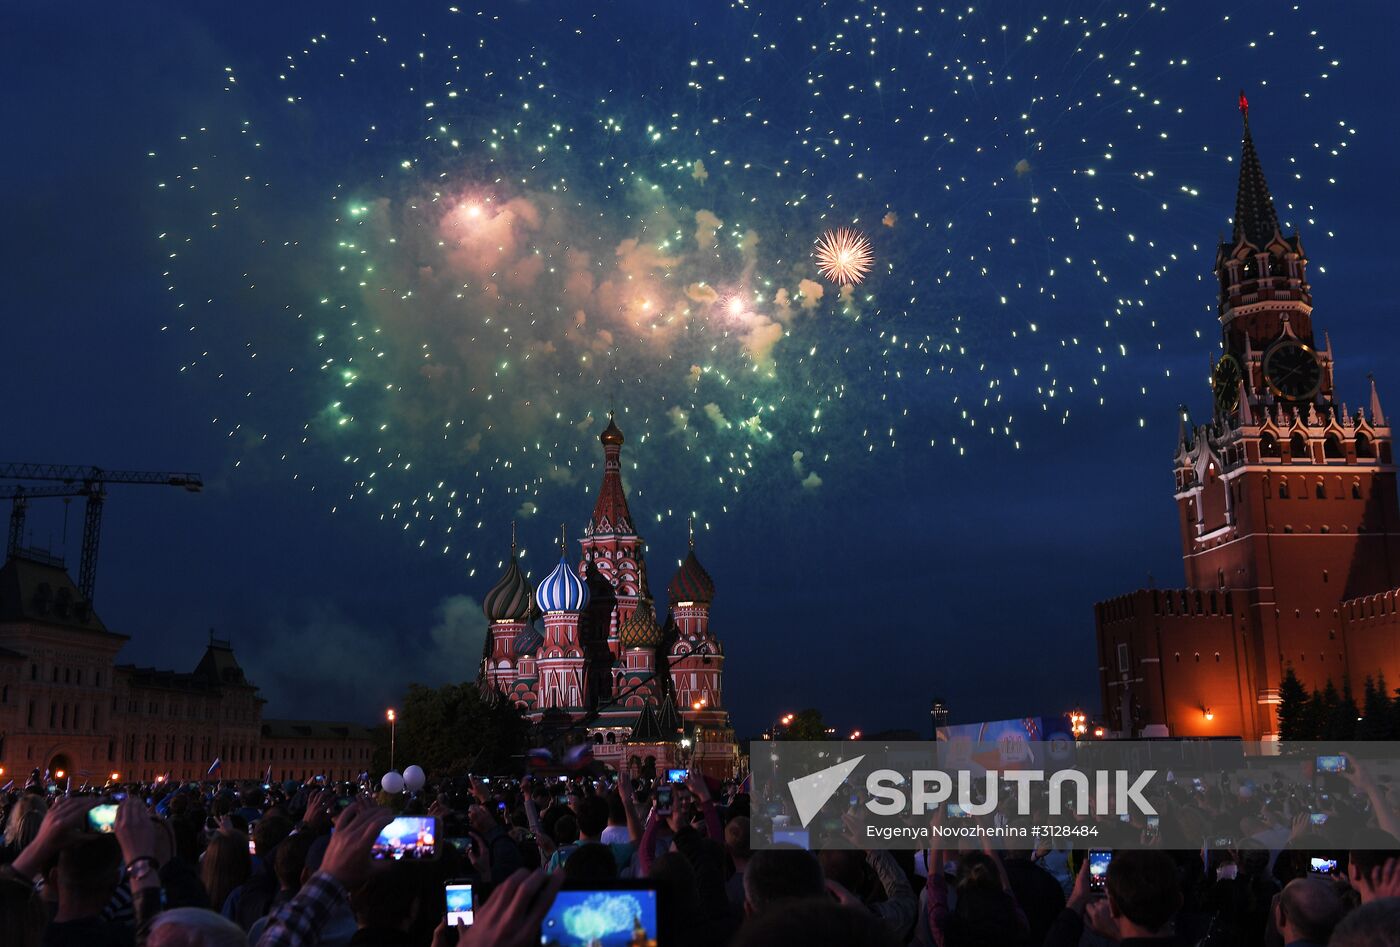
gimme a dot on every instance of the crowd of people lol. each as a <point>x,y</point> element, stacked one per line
<point>219,864</point>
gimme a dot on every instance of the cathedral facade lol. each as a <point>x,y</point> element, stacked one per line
<point>606,661</point>
<point>1288,516</point>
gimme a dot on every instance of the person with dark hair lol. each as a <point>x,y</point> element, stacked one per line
<point>1307,911</point>
<point>505,858</point>
<point>22,915</point>
<point>225,866</point>
<point>250,900</point>
<point>1144,896</point>
<point>591,861</point>
<point>736,845</point>
<point>987,912</point>
<point>387,906</point>
<point>1367,864</point>
<point>1376,924</point>
<point>779,874</point>
<point>816,922</point>
<point>1035,889</point>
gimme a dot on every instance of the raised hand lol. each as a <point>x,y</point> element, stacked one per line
<point>511,917</point>
<point>347,857</point>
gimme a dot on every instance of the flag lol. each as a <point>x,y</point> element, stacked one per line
<point>578,757</point>
<point>214,766</point>
<point>539,756</point>
<point>267,777</point>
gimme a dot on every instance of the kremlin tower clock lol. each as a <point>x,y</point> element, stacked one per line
<point>1286,498</point>
<point>643,688</point>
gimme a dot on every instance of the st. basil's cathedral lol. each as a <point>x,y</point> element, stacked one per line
<point>643,688</point>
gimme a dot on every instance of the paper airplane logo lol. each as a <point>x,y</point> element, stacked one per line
<point>811,792</point>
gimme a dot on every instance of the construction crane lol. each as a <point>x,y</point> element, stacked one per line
<point>89,483</point>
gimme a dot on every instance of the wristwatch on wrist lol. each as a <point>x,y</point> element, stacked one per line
<point>139,868</point>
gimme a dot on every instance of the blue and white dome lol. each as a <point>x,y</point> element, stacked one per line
<point>562,590</point>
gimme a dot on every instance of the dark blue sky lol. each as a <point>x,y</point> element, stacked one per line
<point>910,572</point>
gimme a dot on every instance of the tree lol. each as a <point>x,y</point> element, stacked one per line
<point>1339,720</point>
<point>452,729</point>
<point>1292,709</point>
<point>1376,722</point>
<point>806,725</point>
<point>1315,716</point>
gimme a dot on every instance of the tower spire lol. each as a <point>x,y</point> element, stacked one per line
<point>563,540</point>
<point>512,539</point>
<point>691,527</point>
<point>610,513</point>
<point>1377,416</point>
<point>1255,218</point>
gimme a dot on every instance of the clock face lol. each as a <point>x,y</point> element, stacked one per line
<point>1292,370</point>
<point>1225,381</point>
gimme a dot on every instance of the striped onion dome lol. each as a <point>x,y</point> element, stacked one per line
<point>691,582</point>
<point>562,590</point>
<point>527,641</point>
<point>510,598</point>
<point>640,630</point>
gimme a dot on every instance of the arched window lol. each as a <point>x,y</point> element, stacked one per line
<point>1365,448</point>
<point>1217,657</point>
<point>1268,446</point>
<point>1320,491</point>
<point>1356,489</point>
<point>1332,448</point>
<point>1283,489</point>
<point>1298,448</point>
<point>1198,657</point>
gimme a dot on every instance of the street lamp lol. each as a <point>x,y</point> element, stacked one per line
<point>855,734</point>
<point>1078,723</point>
<point>393,725</point>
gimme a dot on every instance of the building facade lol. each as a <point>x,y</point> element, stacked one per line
<point>67,707</point>
<point>1288,516</point>
<point>641,686</point>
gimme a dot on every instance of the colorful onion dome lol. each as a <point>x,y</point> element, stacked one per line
<point>562,590</point>
<point>528,639</point>
<point>511,598</point>
<point>640,630</point>
<point>691,582</point>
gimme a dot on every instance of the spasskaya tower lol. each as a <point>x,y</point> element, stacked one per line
<point>1286,498</point>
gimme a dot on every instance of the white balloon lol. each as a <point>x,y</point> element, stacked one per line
<point>392,782</point>
<point>414,777</point>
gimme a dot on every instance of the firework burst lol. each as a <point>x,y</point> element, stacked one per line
<point>844,256</point>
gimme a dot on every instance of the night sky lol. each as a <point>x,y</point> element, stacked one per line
<point>381,289</point>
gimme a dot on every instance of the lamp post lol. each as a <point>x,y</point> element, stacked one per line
<point>393,725</point>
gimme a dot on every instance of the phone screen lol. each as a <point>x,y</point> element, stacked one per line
<point>677,775</point>
<point>1331,764</point>
<point>1323,866</point>
<point>602,915</point>
<point>663,799</point>
<point>1318,818</point>
<point>459,904</point>
<point>1098,867</point>
<point>411,837</point>
<point>252,846</point>
<point>799,837</point>
<point>956,811</point>
<point>102,818</point>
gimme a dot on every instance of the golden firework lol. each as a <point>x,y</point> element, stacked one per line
<point>844,256</point>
